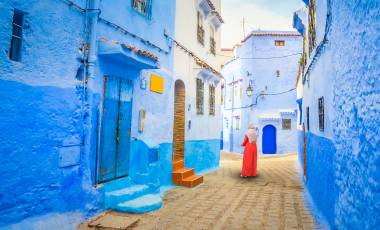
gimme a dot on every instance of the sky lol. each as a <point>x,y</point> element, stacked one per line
<point>258,14</point>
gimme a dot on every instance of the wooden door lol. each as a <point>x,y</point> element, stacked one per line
<point>179,121</point>
<point>115,129</point>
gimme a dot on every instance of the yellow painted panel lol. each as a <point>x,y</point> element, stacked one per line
<point>156,84</point>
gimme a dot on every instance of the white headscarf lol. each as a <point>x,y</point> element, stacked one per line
<point>251,133</point>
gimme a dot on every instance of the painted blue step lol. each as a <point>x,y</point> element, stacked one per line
<point>142,204</point>
<point>113,198</point>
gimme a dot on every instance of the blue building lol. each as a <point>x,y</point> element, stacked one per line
<point>259,88</point>
<point>87,111</point>
<point>339,98</point>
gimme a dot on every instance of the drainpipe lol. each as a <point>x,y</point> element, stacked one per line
<point>92,16</point>
<point>93,12</point>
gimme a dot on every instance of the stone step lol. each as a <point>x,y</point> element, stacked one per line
<point>143,204</point>
<point>191,181</point>
<point>179,164</point>
<point>180,174</point>
<point>113,198</point>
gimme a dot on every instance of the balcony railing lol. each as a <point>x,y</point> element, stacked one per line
<point>201,35</point>
<point>212,46</point>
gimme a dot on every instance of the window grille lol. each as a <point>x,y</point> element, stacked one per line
<point>308,118</point>
<point>279,43</point>
<point>312,25</point>
<point>199,96</point>
<point>212,41</point>
<point>142,6</point>
<point>321,114</point>
<point>211,100</point>
<point>200,30</point>
<point>286,124</point>
<point>16,41</point>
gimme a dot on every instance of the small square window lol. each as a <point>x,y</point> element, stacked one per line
<point>286,124</point>
<point>321,114</point>
<point>279,43</point>
<point>142,6</point>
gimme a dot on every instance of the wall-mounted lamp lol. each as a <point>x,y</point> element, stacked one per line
<point>249,89</point>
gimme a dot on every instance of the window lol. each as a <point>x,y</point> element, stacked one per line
<point>142,6</point>
<point>321,114</point>
<point>199,96</point>
<point>212,40</point>
<point>200,30</point>
<point>16,41</point>
<point>279,43</point>
<point>211,100</point>
<point>286,124</point>
<point>308,118</point>
<point>312,27</point>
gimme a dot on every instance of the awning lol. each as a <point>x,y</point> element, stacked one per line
<point>126,54</point>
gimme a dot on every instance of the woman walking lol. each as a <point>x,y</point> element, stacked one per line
<point>250,152</point>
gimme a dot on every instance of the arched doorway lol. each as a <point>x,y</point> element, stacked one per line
<point>179,122</point>
<point>269,139</point>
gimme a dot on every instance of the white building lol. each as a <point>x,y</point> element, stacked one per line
<point>197,130</point>
<point>260,89</point>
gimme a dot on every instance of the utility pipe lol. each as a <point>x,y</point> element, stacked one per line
<point>92,17</point>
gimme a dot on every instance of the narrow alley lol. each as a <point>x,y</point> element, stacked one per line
<point>272,200</point>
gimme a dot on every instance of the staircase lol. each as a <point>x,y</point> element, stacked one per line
<point>132,199</point>
<point>185,176</point>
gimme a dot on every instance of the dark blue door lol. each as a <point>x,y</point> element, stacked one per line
<point>116,129</point>
<point>269,140</point>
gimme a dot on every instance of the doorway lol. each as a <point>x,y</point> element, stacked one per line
<point>269,140</point>
<point>115,129</point>
<point>179,122</point>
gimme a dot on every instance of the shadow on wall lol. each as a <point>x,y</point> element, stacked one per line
<point>43,171</point>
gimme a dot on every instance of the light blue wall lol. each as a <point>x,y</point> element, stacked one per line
<point>346,74</point>
<point>48,167</point>
<point>255,62</point>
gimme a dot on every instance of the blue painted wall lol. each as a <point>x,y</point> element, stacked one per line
<point>50,119</point>
<point>345,73</point>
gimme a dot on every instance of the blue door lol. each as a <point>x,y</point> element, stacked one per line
<point>269,140</point>
<point>116,129</point>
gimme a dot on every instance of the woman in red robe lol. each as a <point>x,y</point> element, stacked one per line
<point>250,152</point>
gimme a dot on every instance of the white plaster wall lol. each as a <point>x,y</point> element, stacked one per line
<point>205,126</point>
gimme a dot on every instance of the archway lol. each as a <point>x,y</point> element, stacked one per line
<point>269,140</point>
<point>179,122</point>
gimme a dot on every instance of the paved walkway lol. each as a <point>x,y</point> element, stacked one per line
<point>272,200</point>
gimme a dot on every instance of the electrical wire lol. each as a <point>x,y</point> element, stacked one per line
<point>257,97</point>
<point>289,55</point>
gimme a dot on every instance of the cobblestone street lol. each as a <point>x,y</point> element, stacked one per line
<point>272,200</point>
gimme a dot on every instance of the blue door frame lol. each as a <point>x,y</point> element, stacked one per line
<point>115,129</point>
<point>269,140</point>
